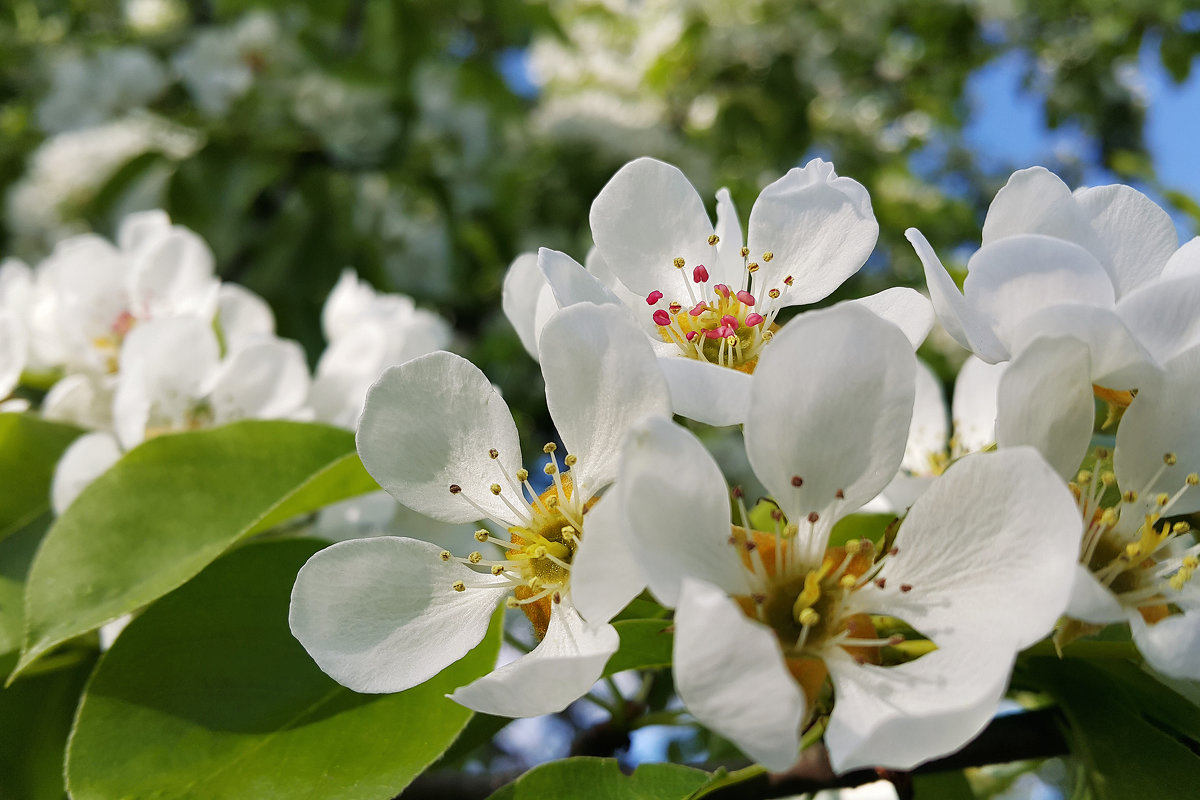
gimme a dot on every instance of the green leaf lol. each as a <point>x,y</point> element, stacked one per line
<point>943,786</point>
<point>207,695</point>
<point>35,718</point>
<point>603,780</point>
<point>645,644</point>
<point>860,526</point>
<point>1125,752</point>
<point>16,554</point>
<point>168,508</point>
<point>29,449</point>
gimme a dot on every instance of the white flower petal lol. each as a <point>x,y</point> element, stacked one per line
<point>346,304</point>
<point>962,321</point>
<point>570,282</point>
<point>1162,419</point>
<point>706,392</point>
<point>830,405</point>
<point>1137,235</point>
<point>1035,200</point>
<point>605,575</point>
<point>989,553</point>
<point>243,316</point>
<point>907,309</point>
<point>730,674</point>
<point>380,615</point>
<point>601,377</point>
<point>83,399</point>
<point>1092,602</point>
<point>139,228</point>
<point>1045,400</point>
<point>168,367</point>
<point>523,283</point>
<point>172,274</point>
<point>927,433</point>
<point>429,423</point>
<point>819,228</point>
<point>1163,316</point>
<point>1185,260</point>
<point>903,715</point>
<point>86,459</point>
<point>1012,278</point>
<point>345,371</point>
<point>1118,360</point>
<point>644,218</point>
<point>973,409</point>
<point>729,266</point>
<point>12,352</point>
<point>900,494</point>
<point>676,507</point>
<point>267,379</point>
<point>560,670</point>
<point>1171,645</point>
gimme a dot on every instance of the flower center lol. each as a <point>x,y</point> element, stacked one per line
<point>110,343</point>
<point>541,546</point>
<point>715,323</point>
<point>1129,545</point>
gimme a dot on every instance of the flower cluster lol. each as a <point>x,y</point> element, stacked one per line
<point>897,646</point>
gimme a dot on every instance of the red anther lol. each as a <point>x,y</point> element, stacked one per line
<point>797,481</point>
<point>839,494</point>
<point>906,587</point>
<point>455,488</point>
<point>654,297</point>
<point>776,514</point>
<point>700,274</point>
<point>674,308</point>
<point>662,318</point>
<point>745,297</point>
<point>698,309</point>
<point>722,290</point>
<point>881,582</point>
<point>714,334</point>
<point>895,551</point>
<point>738,492</point>
<point>788,280</point>
<point>730,321</point>
<point>691,335</point>
<point>813,517</point>
<point>754,319</point>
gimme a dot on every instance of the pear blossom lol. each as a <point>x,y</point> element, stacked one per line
<point>387,613</point>
<point>173,378</point>
<point>932,446</point>
<point>981,566</point>
<point>367,332</point>
<point>708,302</point>
<point>1074,290</point>
<point>1138,558</point>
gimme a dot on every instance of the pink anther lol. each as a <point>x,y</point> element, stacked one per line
<point>730,322</point>
<point>700,274</point>
<point>722,290</point>
<point>699,309</point>
<point>746,298</point>
<point>662,318</point>
<point>754,319</point>
<point>691,335</point>
<point>655,296</point>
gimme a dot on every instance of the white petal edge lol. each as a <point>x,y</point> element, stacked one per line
<point>605,574</point>
<point>907,309</point>
<point>1092,602</point>
<point>928,431</point>
<point>973,409</point>
<point>731,676</point>
<point>706,392</point>
<point>1171,645</point>
<point>1184,261</point>
<point>86,459</point>
<point>380,614</point>
<point>523,284</point>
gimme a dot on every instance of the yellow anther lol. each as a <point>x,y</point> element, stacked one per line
<point>731,339</point>
<point>768,336</point>
<point>475,557</point>
<point>552,500</point>
<point>497,570</point>
<point>1133,550</point>
<point>1177,581</point>
<point>494,453</point>
<point>853,547</point>
<point>458,586</point>
<point>1162,498</point>
<point>1109,518</point>
<point>549,469</point>
<point>522,474</point>
<point>1108,478</point>
<point>847,581</point>
<point>568,532</point>
<point>571,460</point>
<point>752,267</point>
<point>678,262</point>
<point>1084,476</point>
<point>1129,496</point>
<point>1191,562</point>
<point>481,535</point>
<point>445,555</point>
<point>538,552</point>
<point>1181,527</point>
<point>1101,453</point>
<point>745,251</point>
<point>1169,459</point>
<point>773,294</point>
<point>511,602</point>
<point>1193,479</point>
<point>808,618</point>
<point>495,488</point>
<point>549,447</point>
<point>767,256</point>
<point>713,239</point>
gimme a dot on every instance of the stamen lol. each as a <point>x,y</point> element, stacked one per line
<point>654,297</point>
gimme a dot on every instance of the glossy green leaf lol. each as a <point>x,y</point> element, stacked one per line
<point>860,526</point>
<point>16,554</point>
<point>29,449</point>
<point>1110,730</point>
<point>207,695</point>
<point>35,718</point>
<point>645,644</point>
<point>171,506</point>
<point>602,779</point>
